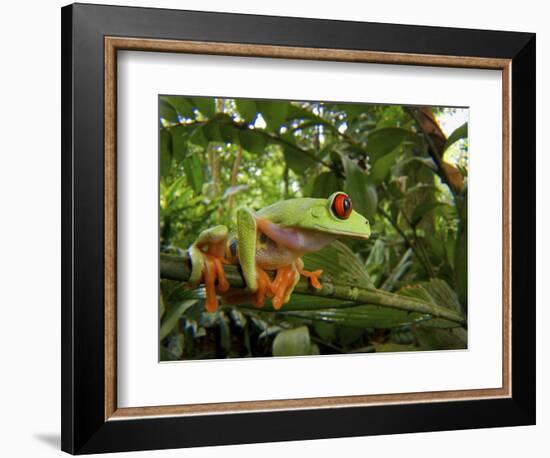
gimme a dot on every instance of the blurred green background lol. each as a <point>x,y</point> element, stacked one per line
<point>405,169</point>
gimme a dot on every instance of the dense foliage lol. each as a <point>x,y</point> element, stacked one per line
<point>401,172</point>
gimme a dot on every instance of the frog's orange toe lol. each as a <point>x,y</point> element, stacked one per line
<point>313,277</point>
<point>213,273</point>
<point>264,287</point>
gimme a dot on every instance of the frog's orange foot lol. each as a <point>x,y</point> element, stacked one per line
<point>313,277</point>
<point>214,275</point>
<point>282,285</point>
<point>264,287</point>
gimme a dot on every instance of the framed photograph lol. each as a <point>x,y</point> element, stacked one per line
<point>284,228</point>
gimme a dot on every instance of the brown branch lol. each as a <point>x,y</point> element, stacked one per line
<point>178,268</point>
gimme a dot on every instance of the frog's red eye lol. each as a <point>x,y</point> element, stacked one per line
<point>341,206</point>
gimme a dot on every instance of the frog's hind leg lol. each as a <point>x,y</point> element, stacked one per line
<point>283,285</point>
<point>207,259</point>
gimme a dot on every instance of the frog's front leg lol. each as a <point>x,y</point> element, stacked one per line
<point>207,258</point>
<point>257,280</point>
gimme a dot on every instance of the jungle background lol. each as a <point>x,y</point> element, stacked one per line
<point>402,172</point>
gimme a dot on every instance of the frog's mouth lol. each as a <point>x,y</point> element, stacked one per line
<point>354,235</point>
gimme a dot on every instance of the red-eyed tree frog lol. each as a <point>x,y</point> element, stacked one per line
<point>274,238</point>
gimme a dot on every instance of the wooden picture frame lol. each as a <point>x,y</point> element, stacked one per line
<point>91,37</point>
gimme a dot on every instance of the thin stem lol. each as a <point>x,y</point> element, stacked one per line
<point>409,244</point>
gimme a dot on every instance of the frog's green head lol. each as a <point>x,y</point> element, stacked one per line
<point>335,215</point>
<point>330,216</point>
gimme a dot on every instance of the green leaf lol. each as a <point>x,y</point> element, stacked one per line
<point>181,105</point>
<point>165,152</point>
<point>353,110</point>
<point>292,342</point>
<point>252,141</point>
<point>458,134</point>
<point>360,188</point>
<point>212,132</point>
<point>390,347</point>
<point>198,137</point>
<point>168,112</point>
<point>376,255</point>
<point>362,317</point>
<point>383,165</point>
<point>297,160</point>
<point>325,184</point>
<point>298,112</point>
<point>225,334</point>
<point>340,264</point>
<point>173,316</point>
<point>247,109</point>
<point>206,105</point>
<point>194,173</point>
<point>423,209</point>
<point>307,302</point>
<point>180,138</point>
<point>385,140</point>
<point>274,113</point>
<point>229,133</point>
<point>440,339</point>
<point>436,291</point>
<point>461,266</point>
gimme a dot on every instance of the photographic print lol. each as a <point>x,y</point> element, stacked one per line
<point>294,228</point>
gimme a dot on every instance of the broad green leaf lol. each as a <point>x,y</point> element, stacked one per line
<point>340,264</point>
<point>297,160</point>
<point>423,209</point>
<point>165,152</point>
<point>252,141</point>
<point>383,165</point>
<point>274,113</point>
<point>180,104</point>
<point>292,342</point>
<point>212,132</point>
<point>325,184</point>
<point>458,134</point>
<point>180,138</point>
<point>172,317</point>
<point>361,316</point>
<point>376,255</point>
<point>168,112</point>
<point>436,291</point>
<point>206,105</point>
<point>194,173</point>
<point>326,331</point>
<point>360,189</point>
<point>298,112</point>
<point>385,140</point>
<point>198,137</point>
<point>306,302</point>
<point>229,133</point>
<point>247,109</point>
<point>353,110</point>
